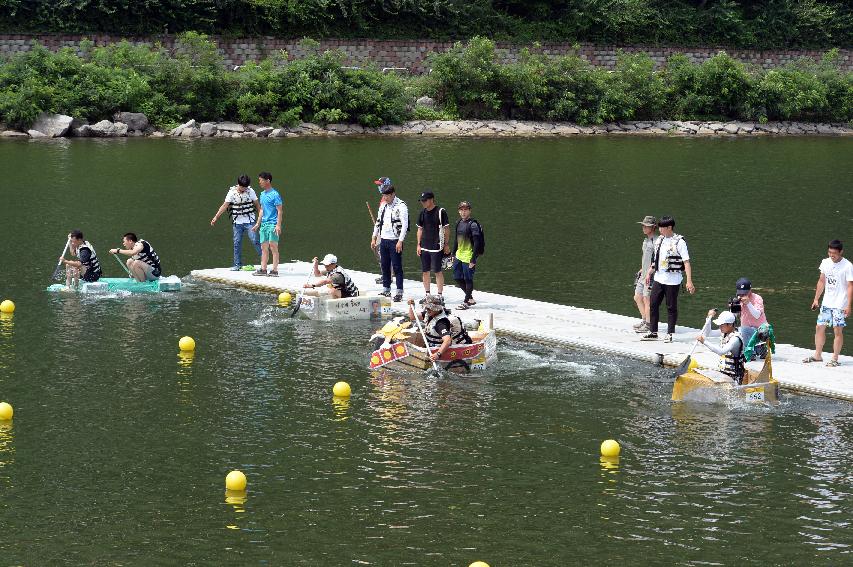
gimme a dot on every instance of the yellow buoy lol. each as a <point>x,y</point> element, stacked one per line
<point>6,411</point>
<point>235,481</point>
<point>7,306</point>
<point>186,344</point>
<point>610,448</point>
<point>342,390</point>
<point>284,298</point>
<point>479,564</point>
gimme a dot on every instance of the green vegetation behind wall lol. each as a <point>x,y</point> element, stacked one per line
<point>466,82</point>
<point>771,24</point>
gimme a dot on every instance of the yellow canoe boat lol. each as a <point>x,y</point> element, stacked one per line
<point>701,385</point>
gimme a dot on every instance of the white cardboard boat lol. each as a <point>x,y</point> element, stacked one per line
<point>324,308</point>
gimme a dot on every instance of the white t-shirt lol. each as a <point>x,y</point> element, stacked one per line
<point>243,201</point>
<point>670,244</point>
<point>837,274</point>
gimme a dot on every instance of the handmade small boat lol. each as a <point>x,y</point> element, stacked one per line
<point>399,346</point>
<point>113,285</point>
<point>701,385</point>
<point>325,308</point>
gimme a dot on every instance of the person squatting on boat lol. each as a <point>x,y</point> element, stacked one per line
<point>440,327</point>
<point>87,266</point>
<point>433,241</point>
<point>389,232</point>
<point>670,266</point>
<point>144,263</point>
<point>242,204</point>
<point>731,346</point>
<point>469,244</point>
<point>836,285</point>
<point>642,291</point>
<point>268,225</point>
<point>336,278</point>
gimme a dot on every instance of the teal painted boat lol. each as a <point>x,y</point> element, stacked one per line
<point>113,285</point>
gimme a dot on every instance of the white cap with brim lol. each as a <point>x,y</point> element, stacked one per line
<point>329,259</point>
<point>725,318</point>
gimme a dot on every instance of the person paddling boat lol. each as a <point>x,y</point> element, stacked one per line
<point>336,278</point>
<point>87,267</point>
<point>440,328</point>
<point>144,263</point>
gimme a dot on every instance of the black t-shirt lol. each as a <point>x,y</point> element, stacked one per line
<point>431,225</point>
<point>443,327</point>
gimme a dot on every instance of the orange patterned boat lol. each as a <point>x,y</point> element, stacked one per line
<point>400,347</point>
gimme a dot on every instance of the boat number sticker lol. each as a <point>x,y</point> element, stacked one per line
<point>755,394</point>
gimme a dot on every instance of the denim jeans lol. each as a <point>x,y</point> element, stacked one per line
<point>238,230</point>
<point>388,256</point>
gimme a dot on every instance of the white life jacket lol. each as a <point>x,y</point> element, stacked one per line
<point>672,260</point>
<point>149,256</point>
<point>458,334</point>
<point>732,363</point>
<point>93,265</point>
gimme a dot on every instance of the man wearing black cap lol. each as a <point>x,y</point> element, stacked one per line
<point>751,309</point>
<point>433,240</point>
<point>390,230</point>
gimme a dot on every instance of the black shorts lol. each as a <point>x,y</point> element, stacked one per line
<point>431,261</point>
<point>91,276</point>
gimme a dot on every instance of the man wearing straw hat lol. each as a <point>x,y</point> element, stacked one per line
<point>641,290</point>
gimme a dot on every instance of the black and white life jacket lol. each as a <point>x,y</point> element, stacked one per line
<point>458,334</point>
<point>244,207</point>
<point>93,264</point>
<point>341,281</point>
<point>149,256</point>
<point>395,207</point>
<point>732,363</point>
<point>672,262</point>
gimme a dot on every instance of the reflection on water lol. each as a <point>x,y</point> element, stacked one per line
<point>7,350</point>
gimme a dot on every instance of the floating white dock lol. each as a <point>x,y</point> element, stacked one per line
<point>573,327</point>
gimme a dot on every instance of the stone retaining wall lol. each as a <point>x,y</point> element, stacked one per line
<point>410,55</point>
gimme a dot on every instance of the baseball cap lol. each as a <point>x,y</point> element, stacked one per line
<point>384,183</point>
<point>433,302</point>
<point>648,220</point>
<point>743,286</point>
<point>329,259</point>
<point>464,205</point>
<point>725,318</point>
<point>427,195</point>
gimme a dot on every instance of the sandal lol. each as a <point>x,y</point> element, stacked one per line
<point>259,272</point>
<point>833,363</point>
<point>470,302</point>
<point>811,359</point>
<point>273,273</point>
<point>462,306</point>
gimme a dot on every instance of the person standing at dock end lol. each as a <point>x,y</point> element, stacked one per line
<point>836,285</point>
<point>389,232</point>
<point>642,291</point>
<point>269,223</point>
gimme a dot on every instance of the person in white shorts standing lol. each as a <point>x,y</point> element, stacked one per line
<point>836,285</point>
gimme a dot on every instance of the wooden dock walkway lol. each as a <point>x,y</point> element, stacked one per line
<point>572,327</point>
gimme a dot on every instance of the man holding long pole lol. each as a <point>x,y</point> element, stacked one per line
<point>389,232</point>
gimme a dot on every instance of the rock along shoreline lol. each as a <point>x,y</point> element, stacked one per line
<point>128,124</point>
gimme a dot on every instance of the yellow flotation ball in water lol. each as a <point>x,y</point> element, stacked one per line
<point>610,448</point>
<point>342,390</point>
<point>693,365</point>
<point>284,298</point>
<point>7,306</point>
<point>6,411</point>
<point>186,344</point>
<point>235,481</point>
<point>479,564</point>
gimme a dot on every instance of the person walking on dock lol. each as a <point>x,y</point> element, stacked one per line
<point>433,241</point>
<point>242,203</point>
<point>389,232</point>
<point>836,285</point>
<point>269,223</point>
<point>670,266</point>
<point>469,244</point>
<point>642,291</point>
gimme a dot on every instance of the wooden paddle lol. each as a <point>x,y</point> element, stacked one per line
<point>682,368</point>
<point>120,263</point>
<point>58,269</point>
<point>300,294</point>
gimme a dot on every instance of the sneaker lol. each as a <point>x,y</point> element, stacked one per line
<point>470,301</point>
<point>235,268</point>
<point>273,273</point>
<point>668,338</point>
<point>642,328</point>
<point>259,272</point>
<point>398,297</point>
<point>462,306</point>
<point>649,337</point>
<point>386,293</point>
<point>639,326</point>
<point>379,280</point>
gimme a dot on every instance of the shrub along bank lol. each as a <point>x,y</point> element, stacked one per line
<point>466,83</point>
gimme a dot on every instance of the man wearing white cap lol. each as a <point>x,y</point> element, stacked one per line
<point>338,280</point>
<point>731,346</point>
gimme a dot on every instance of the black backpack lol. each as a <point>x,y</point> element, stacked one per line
<point>482,248</point>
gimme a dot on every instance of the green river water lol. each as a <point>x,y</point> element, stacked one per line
<point>118,450</point>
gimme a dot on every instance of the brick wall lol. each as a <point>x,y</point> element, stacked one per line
<point>411,54</point>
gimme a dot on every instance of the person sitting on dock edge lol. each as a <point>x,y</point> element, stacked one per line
<point>670,265</point>
<point>469,244</point>
<point>641,289</point>
<point>389,232</point>
<point>731,346</point>
<point>336,278</point>
<point>144,263</point>
<point>440,328</point>
<point>433,241</point>
<point>836,285</point>
<point>242,204</point>
<point>269,225</point>
<point>87,267</point>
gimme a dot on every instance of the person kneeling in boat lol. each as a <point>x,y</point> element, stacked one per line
<point>731,346</point>
<point>338,280</point>
<point>441,328</point>
<point>144,263</point>
<point>87,267</point>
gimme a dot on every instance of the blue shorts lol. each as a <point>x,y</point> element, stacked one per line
<point>461,270</point>
<point>831,317</point>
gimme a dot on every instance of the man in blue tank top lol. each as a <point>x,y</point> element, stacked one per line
<point>269,224</point>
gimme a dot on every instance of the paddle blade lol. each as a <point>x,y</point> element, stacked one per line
<point>297,305</point>
<point>683,367</point>
<point>57,273</point>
